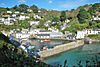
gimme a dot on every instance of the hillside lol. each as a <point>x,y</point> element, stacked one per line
<point>73,20</point>
<point>10,56</point>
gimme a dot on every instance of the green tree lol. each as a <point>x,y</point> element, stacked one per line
<point>15,7</point>
<point>95,7</point>
<point>23,7</point>
<point>8,8</point>
<point>55,19</point>
<point>34,8</point>
<point>24,24</point>
<point>83,16</point>
<point>98,25</point>
<point>41,24</point>
<point>63,16</point>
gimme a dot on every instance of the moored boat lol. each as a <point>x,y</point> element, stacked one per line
<point>46,40</point>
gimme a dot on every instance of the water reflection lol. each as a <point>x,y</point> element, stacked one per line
<point>85,53</point>
<point>50,44</point>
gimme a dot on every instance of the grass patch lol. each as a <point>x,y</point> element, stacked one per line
<point>95,36</point>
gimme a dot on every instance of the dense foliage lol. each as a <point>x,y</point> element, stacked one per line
<point>95,7</point>
<point>95,37</point>
<point>84,16</point>
<point>10,56</point>
<point>34,8</point>
<point>63,16</point>
<point>80,18</point>
<point>23,7</point>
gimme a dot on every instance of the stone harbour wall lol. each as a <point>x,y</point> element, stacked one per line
<point>61,48</point>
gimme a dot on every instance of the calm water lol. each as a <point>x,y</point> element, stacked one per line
<point>87,52</point>
<point>39,44</point>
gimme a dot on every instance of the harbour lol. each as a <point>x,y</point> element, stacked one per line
<point>61,48</point>
<point>50,33</point>
<point>88,52</point>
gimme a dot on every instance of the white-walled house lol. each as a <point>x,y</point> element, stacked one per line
<point>83,33</point>
<point>47,23</point>
<point>9,12</point>
<point>29,10</point>
<point>25,31</point>
<point>37,17</point>
<point>22,35</point>
<point>53,30</point>
<point>91,32</point>
<point>67,20</point>
<point>56,35</point>
<point>97,31</point>
<point>48,34</point>
<point>39,11</point>
<point>17,12</point>
<point>96,17</point>
<point>80,35</point>
<point>21,17</point>
<point>27,17</point>
<point>34,22</point>
<point>14,15</point>
<point>70,37</point>
<point>34,31</point>
<point>64,26</point>
<point>40,33</point>
<point>1,20</point>
<point>9,21</point>
<point>22,13</point>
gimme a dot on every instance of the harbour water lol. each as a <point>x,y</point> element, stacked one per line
<point>88,52</point>
<point>38,43</point>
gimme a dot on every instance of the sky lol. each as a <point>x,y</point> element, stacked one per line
<point>49,4</point>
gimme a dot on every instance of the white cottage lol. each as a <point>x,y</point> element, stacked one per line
<point>1,20</point>
<point>7,22</point>
<point>42,33</point>
<point>34,22</point>
<point>14,15</point>
<point>83,33</point>
<point>80,35</point>
<point>96,17</point>
<point>16,12</point>
<point>9,12</point>
<point>56,35</point>
<point>29,10</point>
<point>91,32</point>
<point>21,17</point>
<point>37,17</point>
<point>22,35</point>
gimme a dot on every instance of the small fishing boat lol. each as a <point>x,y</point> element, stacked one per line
<point>46,40</point>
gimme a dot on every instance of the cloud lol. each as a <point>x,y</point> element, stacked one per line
<point>55,9</point>
<point>72,4</point>
<point>50,1</point>
<point>21,1</point>
<point>2,4</point>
